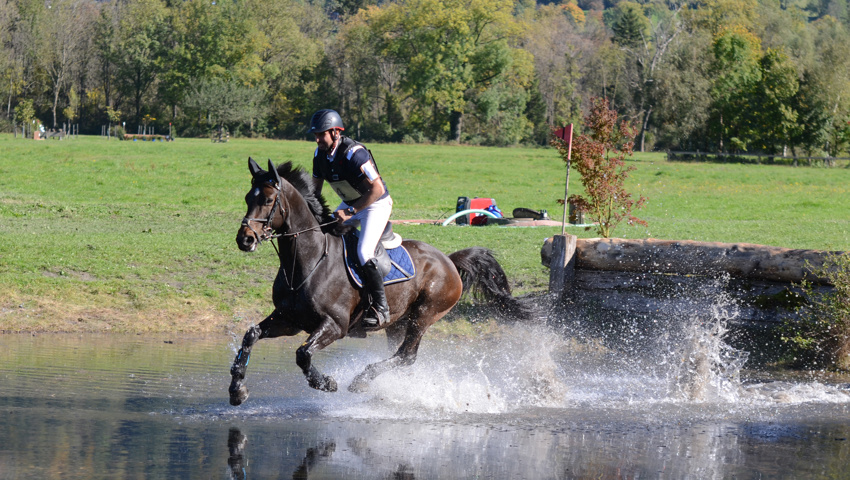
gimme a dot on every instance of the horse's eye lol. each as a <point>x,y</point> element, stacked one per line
<point>268,201</point>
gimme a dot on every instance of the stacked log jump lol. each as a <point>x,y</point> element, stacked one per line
<point>684,257</point>
<point>650,288</point>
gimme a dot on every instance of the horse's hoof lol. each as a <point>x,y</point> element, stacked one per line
<point>325,384</point>
<point>238,395</point>
<point>359,385</point>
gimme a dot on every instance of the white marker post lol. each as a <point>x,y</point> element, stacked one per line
<point>562,263</point>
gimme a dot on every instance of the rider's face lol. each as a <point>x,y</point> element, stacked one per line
<point>325,140</point>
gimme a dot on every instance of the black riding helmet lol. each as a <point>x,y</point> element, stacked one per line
<point>324,120</point>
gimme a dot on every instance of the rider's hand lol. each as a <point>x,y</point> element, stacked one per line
<point>341,215</point>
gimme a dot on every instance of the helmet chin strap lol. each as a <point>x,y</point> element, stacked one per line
<point>335,135</point>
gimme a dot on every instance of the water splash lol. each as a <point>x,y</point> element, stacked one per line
<point>692,373</point>
<point>471,376</point>
<point>703,367</point>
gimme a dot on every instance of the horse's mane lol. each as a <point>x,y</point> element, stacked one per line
<point>302,180</point>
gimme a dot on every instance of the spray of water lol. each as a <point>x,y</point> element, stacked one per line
<point>703,368</point>
<point>688,368</point>
<point>471,376</point>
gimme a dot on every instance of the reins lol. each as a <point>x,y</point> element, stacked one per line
<point>295,254</point>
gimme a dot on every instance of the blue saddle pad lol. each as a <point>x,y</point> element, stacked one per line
<point>402,265</point>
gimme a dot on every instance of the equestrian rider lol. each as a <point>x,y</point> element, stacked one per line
<point>352,173</point>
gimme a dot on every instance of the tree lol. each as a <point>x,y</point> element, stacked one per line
<point>645,42</point>
<point>26,78</point>
<point>142,43</point>
<point>358,75</point>
<point>630,25</point>
<point>71,112</point>
<point>351,7</point>
<point>682,98</point>
<point>114,116</point>
<point>224,102</point>
<point>736,72</point>
<point>451,50</point>
<point>63,31</point>
<point>772,105</point>
<point>291,38</point>
<point>498,117</point>
<point>9,74</point>
<point>106,50</point>
<point>25,113</point>
<point>830,78</point>
<point>718,15</point>
<point>813,118</point>
<point>821,336</point>
<point>598,157</point>
<point>210,40</point>
<point>560,54</point>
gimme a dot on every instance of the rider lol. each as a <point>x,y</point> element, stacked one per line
<point>352,173</point>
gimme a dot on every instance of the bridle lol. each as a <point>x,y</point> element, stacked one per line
<point>267,230</point>
<point>267,233</point>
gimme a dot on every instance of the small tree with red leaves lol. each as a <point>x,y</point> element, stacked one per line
<point>598,156</point>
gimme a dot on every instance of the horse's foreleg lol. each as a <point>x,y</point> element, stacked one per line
<point>326,334</point>
<point>268,328</point>
<point>238,391</point>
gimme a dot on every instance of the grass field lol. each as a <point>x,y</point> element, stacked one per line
<point>100,235</point>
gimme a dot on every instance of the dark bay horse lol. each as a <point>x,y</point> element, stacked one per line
<point>313,293</point>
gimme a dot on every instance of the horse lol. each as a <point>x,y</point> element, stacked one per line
<point>313,292</point>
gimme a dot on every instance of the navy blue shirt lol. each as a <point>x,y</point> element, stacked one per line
<point>350,171</point>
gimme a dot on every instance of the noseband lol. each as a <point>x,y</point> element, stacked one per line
<point>267,232</point>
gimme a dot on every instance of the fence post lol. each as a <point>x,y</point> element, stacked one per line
<point>562,263</point>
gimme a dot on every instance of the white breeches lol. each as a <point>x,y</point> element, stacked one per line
<point>372,221</point>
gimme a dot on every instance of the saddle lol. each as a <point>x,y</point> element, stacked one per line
<point>393,259</point>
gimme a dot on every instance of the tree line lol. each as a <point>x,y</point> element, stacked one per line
<point>770,76</point>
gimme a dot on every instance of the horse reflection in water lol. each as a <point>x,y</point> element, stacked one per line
<point>313,293</point>
<point>237,443</point>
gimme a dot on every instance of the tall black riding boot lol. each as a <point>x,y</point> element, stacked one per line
<point>378,313</point>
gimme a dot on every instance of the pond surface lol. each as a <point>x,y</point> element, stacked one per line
<point>112,406</point>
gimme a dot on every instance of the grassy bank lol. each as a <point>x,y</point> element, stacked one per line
<point>100,235</point>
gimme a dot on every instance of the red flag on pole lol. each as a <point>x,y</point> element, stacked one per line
<point>566,134</point>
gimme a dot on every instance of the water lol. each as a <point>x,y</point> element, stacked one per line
<point>520,403</point>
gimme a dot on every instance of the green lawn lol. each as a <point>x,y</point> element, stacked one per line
<point>139,236</point>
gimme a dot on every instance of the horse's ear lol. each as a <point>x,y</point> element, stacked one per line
<point>276,175</point>
<point>253,167</point>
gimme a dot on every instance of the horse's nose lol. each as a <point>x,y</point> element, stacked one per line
<point>245,242</point>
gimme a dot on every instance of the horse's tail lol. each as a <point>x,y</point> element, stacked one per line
<point>481,273</point>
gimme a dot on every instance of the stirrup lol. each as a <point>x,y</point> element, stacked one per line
<point>373,318</point>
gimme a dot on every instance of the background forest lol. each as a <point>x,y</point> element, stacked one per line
<point>769,76</point>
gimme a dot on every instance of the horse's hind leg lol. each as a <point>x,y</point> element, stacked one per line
<point>268,328</point>
<point>430,307</point>
<point>405,356</point>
